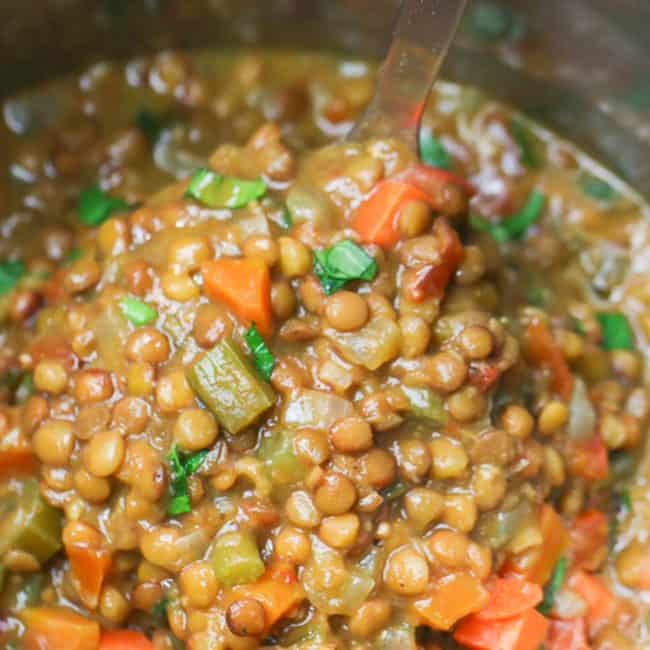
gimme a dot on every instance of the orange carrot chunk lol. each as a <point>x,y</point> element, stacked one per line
<point>543,351</point>
<point>526,631</point>
<point>567,635</point>
<point>510,597</point>
<point>538,567</point>
<point>376,219</point>
<point>89,568</point>
<point>278,591</point>
<point>243,285</point>
<point>16,462</point>
<point>125,640</point>
<point>589,537</point>
<point>589,459</point>
<point>452,598</point>
<point>54,628</point>
<point>601,603</point>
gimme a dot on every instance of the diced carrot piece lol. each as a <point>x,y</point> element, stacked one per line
<point>125,640</point>
<point>567,635</point>
<point>17,462</point>
<point>376,219</point>
<point>452,598</point>
<point>590,459</point>
<point>432,279</point>
<point>53,290</point>
<point>589,536</point>
<point>243,285</point>
<point>89,568</point>
<point>539,567</point>
<point>545,352</point>
<point>278,590</point>
<point>54,628</point>
<point>483,375</point>
<point>526,631</point>
<point>601,603</point>
<point>510,597</point>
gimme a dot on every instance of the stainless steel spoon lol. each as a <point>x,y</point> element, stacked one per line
<point>424,31</point>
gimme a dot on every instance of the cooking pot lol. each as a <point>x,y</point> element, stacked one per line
<point>581,67</point>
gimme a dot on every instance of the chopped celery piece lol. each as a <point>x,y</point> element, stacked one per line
<point>137,312</point>
<point>218,191</point>
<point>236,559</point>
<point>617,333</point>
<point>433,152</point>
<point>280,460</point>
<point>28,523</point>
<point>230,387</point>
<point>426,404</point>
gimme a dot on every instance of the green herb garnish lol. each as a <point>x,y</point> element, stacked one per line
<point>262,357</point>
<point>10,273</point>
<point>95,206</point>
<point>338,265</point>
<point>616,330</point>
<point>553,586</point>
<point>524,139</point>
<point>287,219</point>
<point>626,501</point>
<point>578,326</point>
<point>218,191</point>
<point>159,610</point>
<point>513,227</point>
<point>596,188</point>
<point>433,152</point>
<point>138,312</point>
<point>394,491</point>
<point>182,466</point>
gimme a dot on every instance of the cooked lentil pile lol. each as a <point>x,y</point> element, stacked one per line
<point>261,388</point>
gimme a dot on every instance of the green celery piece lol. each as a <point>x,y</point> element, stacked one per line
<point>280,460</point>
<point>514,227</point>
<point>343,262</point>
<point>262,357</point>
<point>426,404</point>
<point>10,273</point>
<point>95,206</point>
<point>526,144</point>
<point>553,586</point>
<point>138,312</point>
<point>596,188</point>
<point>236,559</point>
<point>28,523</point>
<point>433,152</point>
<point>218,191</point>
<point>617,333</point>
<point>229,386</point>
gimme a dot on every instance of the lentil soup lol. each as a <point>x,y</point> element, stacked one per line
<point>260,388</point>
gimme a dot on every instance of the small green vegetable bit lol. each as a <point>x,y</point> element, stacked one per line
<point>338,265</point>
<point>596,188</point>
<point>524,139</point>
<point>236,559</point>
<point>138,312</point>
<point>95,206</point>
<point>433,152</point>
<point>182,466</point>
<point>553,586</point>
<point>262,357</point>
<point>516,226</point>
<point>150,123</point>
<point>10,273</point>
<point>617,333</point>
<point>217,191</point>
